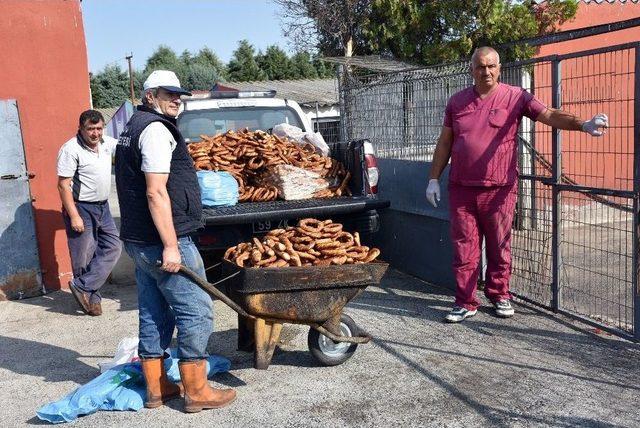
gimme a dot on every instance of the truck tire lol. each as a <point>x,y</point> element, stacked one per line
<point>328,352</point>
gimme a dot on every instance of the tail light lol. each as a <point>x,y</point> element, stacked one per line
<point>371,165</point>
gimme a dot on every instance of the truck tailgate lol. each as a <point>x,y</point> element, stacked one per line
<point>276,210</point>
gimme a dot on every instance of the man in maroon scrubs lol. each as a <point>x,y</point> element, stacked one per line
<point>479,135</point>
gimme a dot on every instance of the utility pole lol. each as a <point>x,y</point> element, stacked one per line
<point>128,58</point>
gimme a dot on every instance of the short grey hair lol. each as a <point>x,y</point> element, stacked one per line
<point>143,95</point>
<point>482,51</point>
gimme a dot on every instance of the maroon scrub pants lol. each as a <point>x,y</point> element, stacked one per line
<point>476,212</point>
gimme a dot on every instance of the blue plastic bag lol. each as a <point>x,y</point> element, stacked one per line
<point>119,388</point>
<point>218,188</point>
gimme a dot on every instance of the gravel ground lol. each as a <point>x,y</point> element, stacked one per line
<point>531,370</point>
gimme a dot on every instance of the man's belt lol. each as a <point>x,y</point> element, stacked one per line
<point>91,202</point>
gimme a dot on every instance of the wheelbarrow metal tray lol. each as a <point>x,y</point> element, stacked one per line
<point>307,294</point>
<point>262,280</point>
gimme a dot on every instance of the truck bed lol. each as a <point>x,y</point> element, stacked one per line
<point>276,210</point>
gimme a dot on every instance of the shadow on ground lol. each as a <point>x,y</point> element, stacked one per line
<point>39,360</point>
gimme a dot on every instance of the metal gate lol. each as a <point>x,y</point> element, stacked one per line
<point>20,274</point>
<point>575,233</point>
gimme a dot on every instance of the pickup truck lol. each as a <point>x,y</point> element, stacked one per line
<point>220,111</point>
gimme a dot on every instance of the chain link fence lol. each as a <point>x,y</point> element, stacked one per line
<point>575,231</point>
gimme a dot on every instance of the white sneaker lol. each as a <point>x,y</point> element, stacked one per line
<point>458,314</point>
<point>503,309</point>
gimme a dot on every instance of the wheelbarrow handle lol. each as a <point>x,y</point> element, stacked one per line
<point>211,289</point>
<point>359,339</point>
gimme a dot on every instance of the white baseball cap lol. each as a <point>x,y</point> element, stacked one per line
<point>164,79</point>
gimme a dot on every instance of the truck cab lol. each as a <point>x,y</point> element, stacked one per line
<point>221,111</point>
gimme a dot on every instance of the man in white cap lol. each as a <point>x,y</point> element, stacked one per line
<point>161,210</point>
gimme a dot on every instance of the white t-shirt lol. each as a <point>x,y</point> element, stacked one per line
<point>90,170</point>
<point>156,145</point>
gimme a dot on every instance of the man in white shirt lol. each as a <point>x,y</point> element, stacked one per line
<point>84,184</point>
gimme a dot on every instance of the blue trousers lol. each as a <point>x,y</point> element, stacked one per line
<point>95,251</point>
<point>169,300</point>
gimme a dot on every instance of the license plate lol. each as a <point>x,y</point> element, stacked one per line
<point>265,226</point>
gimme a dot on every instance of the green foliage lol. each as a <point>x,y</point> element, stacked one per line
<point>303,67</point>
<point>325,70</point>
<point>208,58</point>
<point>164,58</point>
<point>243,65</point>
<point>432,32</point>
<point>110,87</point>
<point>201,77</point>
<point>275,63</point>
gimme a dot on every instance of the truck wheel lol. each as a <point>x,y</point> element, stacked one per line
<point>328,352</point>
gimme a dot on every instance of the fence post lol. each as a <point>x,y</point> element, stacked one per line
<point>341,74</point>
<point>635,271</point>
<point>556,210</point>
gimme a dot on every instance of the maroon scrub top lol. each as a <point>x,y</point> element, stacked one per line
<point>484,150</point>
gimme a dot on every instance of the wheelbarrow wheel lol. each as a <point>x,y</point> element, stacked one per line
<point>328,352</point>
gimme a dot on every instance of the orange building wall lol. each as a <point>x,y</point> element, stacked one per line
<point>592,14</point>
<point>44,67</point>
<point>600,83</point>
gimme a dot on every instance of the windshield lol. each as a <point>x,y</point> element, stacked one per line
<point>194,123</point>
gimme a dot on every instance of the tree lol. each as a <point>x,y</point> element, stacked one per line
<point>109,87</point>
<point>185,58</point>
<point>420,31</point>
<point>208,58</point>
<point>164,58</point>
<point>302,66</point>
<point>324,69</point>
<point>334,26</point>
<point>201,77</point>
<point>431,32</point>
<point>243,65</point>
<point>275,63</point>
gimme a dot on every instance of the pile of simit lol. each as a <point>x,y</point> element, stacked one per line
<point>312,243</point>
<point>251,156</point>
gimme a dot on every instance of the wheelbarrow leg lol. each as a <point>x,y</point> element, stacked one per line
<point>266,338</point>
<point>333,324</point>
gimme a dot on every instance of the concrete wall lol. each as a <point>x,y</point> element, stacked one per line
<point>414,236</point>
<point>44,67</point>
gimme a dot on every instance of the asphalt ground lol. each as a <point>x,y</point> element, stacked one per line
<point>531,370</point>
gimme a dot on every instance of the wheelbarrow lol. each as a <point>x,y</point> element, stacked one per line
<point>267,298</point>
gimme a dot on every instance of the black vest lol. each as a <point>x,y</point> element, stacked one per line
<point>182,185</point>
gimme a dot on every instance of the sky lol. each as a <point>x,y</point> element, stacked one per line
<point>115,28</point>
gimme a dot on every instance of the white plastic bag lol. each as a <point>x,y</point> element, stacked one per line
<point>127,352</point>
<point>318,142</point>
<point>299,136</point>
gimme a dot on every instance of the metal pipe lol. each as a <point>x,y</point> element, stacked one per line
<point>211,289</point>
<point>342,75</point>
<point>635,267</point>
<point>131,92</point>
<point>363,338</point>
<point>556,209</point>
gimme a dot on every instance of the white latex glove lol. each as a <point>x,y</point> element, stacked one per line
<point>433,192</point>
<point>600,120</point>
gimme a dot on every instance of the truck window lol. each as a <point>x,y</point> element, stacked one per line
<point>194,123</point>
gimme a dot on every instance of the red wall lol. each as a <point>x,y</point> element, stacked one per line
<point>598,83</point>
<point>592,14</point>
<point>44,67</point>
